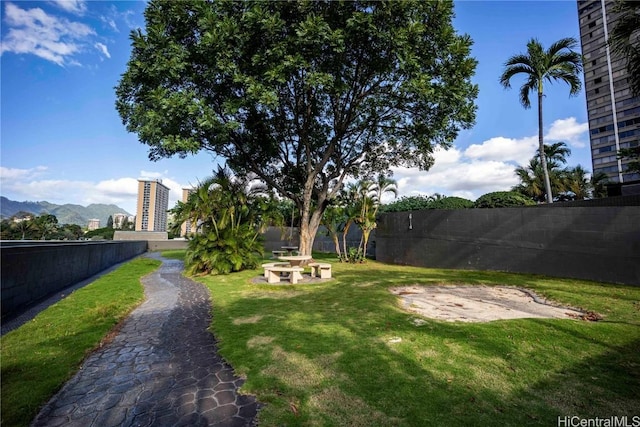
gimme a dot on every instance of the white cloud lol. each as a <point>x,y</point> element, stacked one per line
<point>11,174</point>
<point>34,184</point>
<point>103,48</point>
<point>33,31</point>
<point>503,149</point>
<point>77,7</point>
<point>569,131</point>
<point>484,167</point>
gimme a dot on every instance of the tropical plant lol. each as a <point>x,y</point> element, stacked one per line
<point>502,199</point>
<point>408,203</point>
<point>46,225</point>
<point>625,39</point>
<point>451,203</point>
<point>575,184</point>
<point>559,62</point>
<point>599,181</point>
<point>632,155</point>
<point>305,94</point>
<point>228,214</point>
<point>370,202</point>
<point>556,154</point>
<point>571,183</point>
<point>334,219</point>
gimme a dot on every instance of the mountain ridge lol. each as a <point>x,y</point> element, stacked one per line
<point>66,214</point>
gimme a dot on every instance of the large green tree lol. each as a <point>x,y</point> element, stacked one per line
<point>305,94</point>
<point>559,62</point>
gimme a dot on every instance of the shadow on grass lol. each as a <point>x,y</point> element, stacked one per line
<point>343,353</point>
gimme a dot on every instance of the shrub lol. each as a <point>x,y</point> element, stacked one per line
<point>411,203</point>
<point>503,199</point>
<point>451,203</point>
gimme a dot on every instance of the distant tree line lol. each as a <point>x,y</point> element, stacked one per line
<point>27,226</point>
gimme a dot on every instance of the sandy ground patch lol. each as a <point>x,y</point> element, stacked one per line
<point>466,303</point>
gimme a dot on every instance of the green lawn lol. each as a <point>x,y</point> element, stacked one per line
<point>324,354</point>
<point>41,355</point>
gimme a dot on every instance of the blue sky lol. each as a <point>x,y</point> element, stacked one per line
<point>61,139</point>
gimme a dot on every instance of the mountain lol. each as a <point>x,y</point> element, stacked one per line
<point>66,214</point>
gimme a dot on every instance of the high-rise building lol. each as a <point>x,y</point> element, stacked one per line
<point>94,224</point>
<point>153,203</point>
<point>186,228</point>
<point>614,113</point>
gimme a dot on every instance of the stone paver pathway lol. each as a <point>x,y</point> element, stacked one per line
<point>162,369</point>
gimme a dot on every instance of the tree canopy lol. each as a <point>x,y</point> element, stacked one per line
<point>303,94</point>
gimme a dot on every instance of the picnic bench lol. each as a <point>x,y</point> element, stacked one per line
<point>273,264</point>
<point>320,269</point>
<point>272,273</point>
<point>277,254</point>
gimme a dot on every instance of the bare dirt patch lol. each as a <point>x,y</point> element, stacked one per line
<point>471,303</point>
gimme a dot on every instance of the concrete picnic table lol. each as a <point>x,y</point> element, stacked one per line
<point>295,260</point>
<point>290,249</point>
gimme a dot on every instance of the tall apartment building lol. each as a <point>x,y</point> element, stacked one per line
<point>186,228</point>
<point>614,113</point>
<point>153,203</point>
<point>94,224</point>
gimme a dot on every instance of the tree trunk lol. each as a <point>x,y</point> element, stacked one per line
<point>543,158</point>
<point>309,225</point>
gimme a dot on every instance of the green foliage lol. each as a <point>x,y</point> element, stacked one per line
<point>104,233</point>
<point>316,347</point>
<point>632,155</point>
<point>39,356</point>
<point>502,199</point>
<point>110,222</point>
<point>223,251</point>
<point>570,183</point>
<point>408,203</point>
<point>227,214</point>
<point>558,63</point>
<point>437,201</point>
<point>42,227</point>
<point>304,94</point>
<point>451,203</point>
<point>354,255</point>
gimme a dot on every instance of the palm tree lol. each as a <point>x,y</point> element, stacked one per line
<point>229,213</point>
<point>531,180</point>
<point>599,181</point>
<point>576,183</point>
<point>625,39</point>
<point>559,62</point>
<point>556,154</point>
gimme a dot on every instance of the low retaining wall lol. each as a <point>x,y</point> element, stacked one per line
<point>592,243</point>
<point>34,270</point>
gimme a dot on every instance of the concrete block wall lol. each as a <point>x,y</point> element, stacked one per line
<point>32,271</point>
<point>593,243</point>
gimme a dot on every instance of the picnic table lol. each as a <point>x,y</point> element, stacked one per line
<point>290,249</point>
<point>295,260</point>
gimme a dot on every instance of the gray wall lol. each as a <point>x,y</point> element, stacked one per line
<point>594,243</point>
<point>275,238</point>
<point>34,270</point>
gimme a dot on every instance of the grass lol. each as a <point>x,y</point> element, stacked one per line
<point>343,352</point>
<point>41,355</point>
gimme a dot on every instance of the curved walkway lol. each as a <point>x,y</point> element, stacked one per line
<point>162,369</point>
